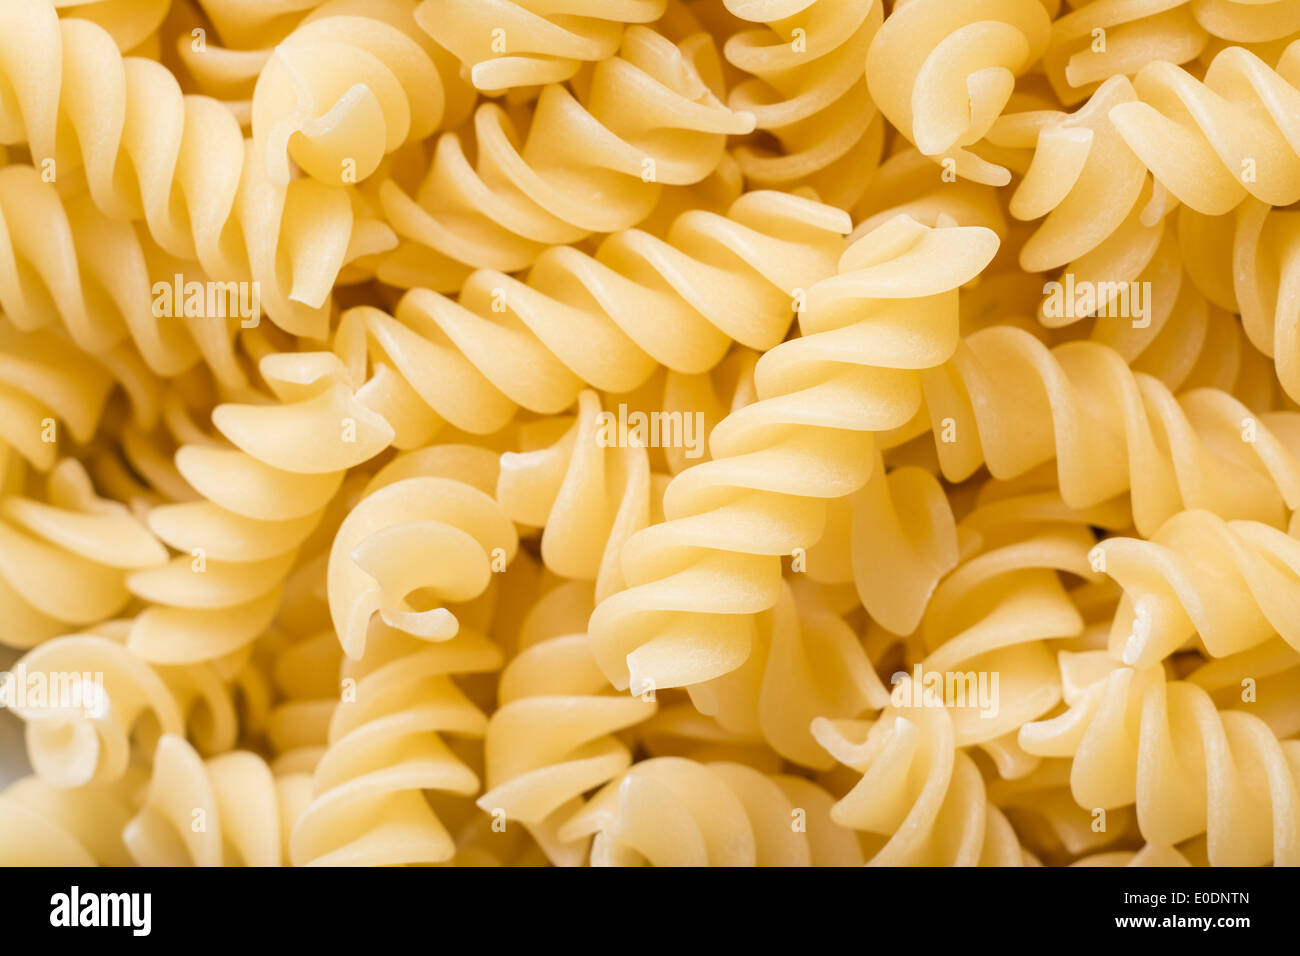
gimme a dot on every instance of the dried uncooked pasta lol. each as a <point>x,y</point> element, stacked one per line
<point>650,432</point>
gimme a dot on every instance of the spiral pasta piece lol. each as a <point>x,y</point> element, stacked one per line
<point>1234,584</point>
<point>588,494</point>
<point>1110,431</point>
<point>1262,680</point>
<point>697,580</point>
<point>67,272</point>
<point>352,83</point>
<point>1247,263</point>
<point>419,507</point>
<point>43,825</point>
<point>226,811</point>
<point>304,674</point>
<point>942,71</point>
<point>1098,40</point>
<point>180,163</point>
<point>921,800</point>
<point>683,432</point>
<point>994,616</point>
<point>260,497</point>
<point>669,811</point>
<point>104,705</point>
<point>1135,737</point>
<point>385,748</point>
<point>809,92</point>
<point>511,43</point>
<point>1209,144</point>
<point>66,557</point>
<point>603,321</point>
<point>598,164</point>
<point>551,739</point>
<point>224,50</point>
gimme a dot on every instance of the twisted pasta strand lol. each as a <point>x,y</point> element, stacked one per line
<point>941,72</point>
<point>1110,430</point>
<point>1208,144</point>
<point>587,505</point>
<point>1234,584</point>
<point>385,748</point>
<point>596,165</point>
<point>260,497</point>
<point>604,320</point>
<point>437,506</point>
<point>147,151</point>
<point>669,811</point>
<point>697,580</point>
<point>808,90</point>
<point>66,557</point>
<point>512,43</point>
<point>1135,737</point>
<point>1098,40</point>
<point>226,811</point>
<point>552,737</point>
<point>70,746</point>
<point>43,825</point>
<point>351,83</point>
<point>921,800</point>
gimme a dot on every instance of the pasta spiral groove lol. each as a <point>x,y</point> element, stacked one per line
<point>808,90</point>
<point>1077,402</point>
<point>595,165</point>
<point>697,580</point>
<point>259,498</point>
<point>669,811</point>
<point>602,320</point>
<point>1135,737</point>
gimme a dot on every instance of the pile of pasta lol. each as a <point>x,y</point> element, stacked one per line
<point>970,330</point>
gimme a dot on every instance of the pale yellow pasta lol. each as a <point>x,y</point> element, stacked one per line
<point>1020,405</point>
<point>1134,736</point>
<point>44,825</point>
<point>69,269</point>
<point>820,398</point>
<point>353,82</point>
<point>261,496</point>
<point>551,738</point>
<point>66,557</point>
<point>920,800</point>
<point>226,811</point>
<point>512,43</point>
<point>597,163</point>
<point>1246,262</point>
<point>683,433</point>
<point>669,811</point>
<point>679,730</point>
<point>1209,144</point>
<point>808,90</point>
<point>604,320</point>
<point>587,497</point>
<point>941,72</point>
<point>1263,680</point>
<point>455,525</point>
<point>1232,584</point>
<point>73,94</point>
<point>1099,39</point>
<point>385,748</point>
<point>1036,798</point>
<point>122,706</point>
<point>1149,855</point>
<point>224,61</point>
